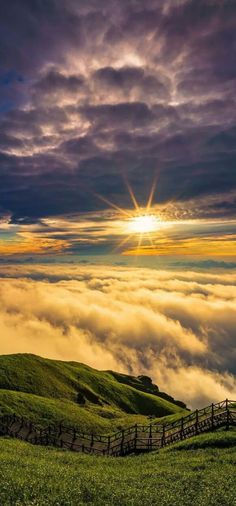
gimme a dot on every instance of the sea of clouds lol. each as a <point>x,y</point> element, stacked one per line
<point>178,327</point>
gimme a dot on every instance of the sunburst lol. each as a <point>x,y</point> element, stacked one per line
<point>140,222</point>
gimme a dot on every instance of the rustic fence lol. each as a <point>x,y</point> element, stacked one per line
<point>136,439</point>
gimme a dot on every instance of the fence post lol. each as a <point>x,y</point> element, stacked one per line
<point>150,437</point>
<point>196,423</point>
<point>73,439</point>
<point>108,445</point>
<point>122,441</point>
<point>163,439</point>
<point>135,436</point>
<point>227,420</point>
<point>212,416</point>
<point>226,403</point>
<point>182,428</point>
<point>30,430</point>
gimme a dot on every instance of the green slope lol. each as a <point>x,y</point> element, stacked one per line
<point>49,391</point>
<point>39,476</point>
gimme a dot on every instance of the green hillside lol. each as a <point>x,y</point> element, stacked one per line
<point>176,476</point>
<point>49,391</point>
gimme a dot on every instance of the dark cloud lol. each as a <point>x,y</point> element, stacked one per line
<point>132,80</point>
<point>35,32</point>
<point>132,115</point>
<point>91,93</point>
<point>54,82</point>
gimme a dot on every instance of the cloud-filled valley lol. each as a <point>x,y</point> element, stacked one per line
<point>178,327</point>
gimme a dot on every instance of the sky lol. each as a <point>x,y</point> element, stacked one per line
<point>118,187</point>
<point>106,105</point>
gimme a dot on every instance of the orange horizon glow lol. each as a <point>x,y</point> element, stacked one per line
<point>189,247</point>
<point>141,231</point>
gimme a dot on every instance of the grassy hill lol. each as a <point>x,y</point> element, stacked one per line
<point>49,391</point>
<point>198,472</point>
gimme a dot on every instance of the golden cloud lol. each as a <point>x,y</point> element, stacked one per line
<point>178,327</point>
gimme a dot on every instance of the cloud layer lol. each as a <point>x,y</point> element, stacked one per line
<point>177,327</point>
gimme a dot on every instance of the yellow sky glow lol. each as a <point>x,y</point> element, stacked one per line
<point>193,246</point>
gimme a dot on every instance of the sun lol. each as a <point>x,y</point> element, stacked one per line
<point>138,225</point>
<point>143,224</point>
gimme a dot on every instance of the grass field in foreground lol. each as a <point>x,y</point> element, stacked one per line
<point>198,472</point>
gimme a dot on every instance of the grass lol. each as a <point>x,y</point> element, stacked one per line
<point>221,439</point>
<point>196,472</point>
<point>43,412</point>
<point>51,391</point>
<point>176,476</point>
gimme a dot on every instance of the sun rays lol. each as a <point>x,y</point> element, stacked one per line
<point>138,224</point>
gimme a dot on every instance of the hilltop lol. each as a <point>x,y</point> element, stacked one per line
<point>50,391</point>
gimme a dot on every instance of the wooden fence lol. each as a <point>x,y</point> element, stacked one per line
<point>135,439</point>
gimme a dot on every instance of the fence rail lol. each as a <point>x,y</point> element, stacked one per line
<point>136,439</point>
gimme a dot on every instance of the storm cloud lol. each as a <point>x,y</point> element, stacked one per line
<point>92,90</point>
